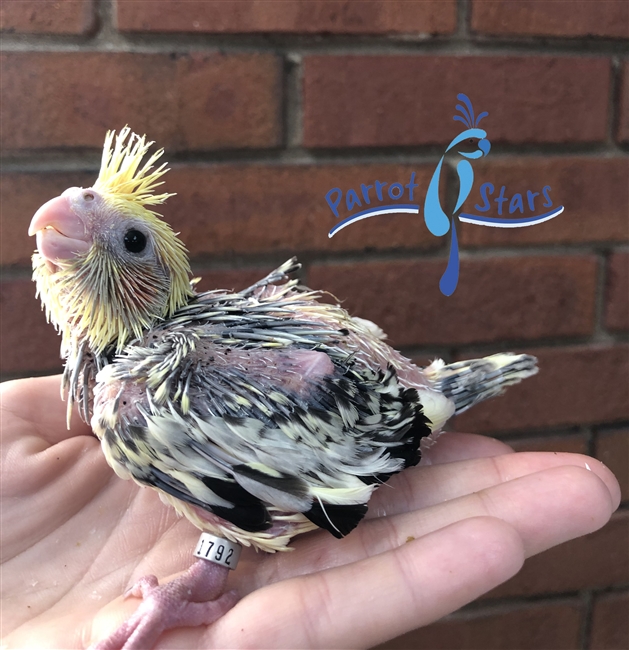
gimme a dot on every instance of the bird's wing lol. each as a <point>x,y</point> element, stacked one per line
<point>251,409</point>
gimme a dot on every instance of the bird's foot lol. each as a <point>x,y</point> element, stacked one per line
<point>194,598</point>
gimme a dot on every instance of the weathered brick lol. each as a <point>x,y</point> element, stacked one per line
<point>575,386</point>
<point>612,447</point>
<point>409,100</point>
<point>584,186</point>
<point>610,623</point>
<point>551,18</point>
<point>596,561</point>
<point>22,194</point>
<point>27,342</point>
<point>252,208</point>
<point>623,108</point>
<point>200,100</point>
<point>500,298</point>
<point>540,626</point>
<point>37,17</point>
<point>574,443</point>
<point>289,16</point>
<point>617,292</point>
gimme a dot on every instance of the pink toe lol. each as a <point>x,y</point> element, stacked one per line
<point>142,588</point>
<point>192,599</point>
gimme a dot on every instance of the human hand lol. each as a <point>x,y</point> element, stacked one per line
<point>74,537</point>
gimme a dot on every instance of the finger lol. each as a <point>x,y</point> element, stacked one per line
<point>450,447</point>
<point>37,402</point>
<point>420,487</point>
<point>367,602</point>
<point>546,508</point>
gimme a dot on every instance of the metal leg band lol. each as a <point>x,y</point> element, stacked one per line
<point>218,550</point>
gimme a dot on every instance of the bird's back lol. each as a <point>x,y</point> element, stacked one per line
<point>264,408</point>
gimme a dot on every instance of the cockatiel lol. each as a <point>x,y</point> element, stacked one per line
<point>259,415</point>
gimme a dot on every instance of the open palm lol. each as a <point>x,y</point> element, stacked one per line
<point>75,536</point>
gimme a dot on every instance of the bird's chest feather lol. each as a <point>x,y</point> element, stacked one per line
<point>253,428</point>
<point>210,382</point>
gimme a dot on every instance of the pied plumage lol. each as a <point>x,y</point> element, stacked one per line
<point>262,407</point>
<point>258,415</point>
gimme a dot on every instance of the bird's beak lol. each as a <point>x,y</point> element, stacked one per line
<point>484,145</point>
<point>61,234</point>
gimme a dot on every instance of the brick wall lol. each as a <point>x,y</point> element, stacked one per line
<point>264,106</point>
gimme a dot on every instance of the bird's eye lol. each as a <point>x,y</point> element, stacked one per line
<point>135,241</point>
<point>88,196</point>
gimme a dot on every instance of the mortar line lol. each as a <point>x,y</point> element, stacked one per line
<point>586,621</point>
<point>108,39</point>
<point>293,154</point>
<point>293,101</point>
<point>614,101</point>
<point>464,19</point>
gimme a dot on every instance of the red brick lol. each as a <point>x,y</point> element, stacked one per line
<point>584,186</point>
<point>596,561</point>
<point>612,447</point>
<point>37,17</point>
<point>27,342</point>
<point>540,626</point>
<point>252,208</point>
<point>499,298</point>
<point>571,444</point>
<point>551,18</point>
<point>241,208</point>
<point>617,292</point>
<point>575,386</point>
<point>22,194</point>
<point>410,100</point>
<point>623,109</point>
<point>610,623</point>
<point>201,100</point>
<point>289,16</point>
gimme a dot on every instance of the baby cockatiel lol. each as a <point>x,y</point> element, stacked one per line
<point>259,415</point>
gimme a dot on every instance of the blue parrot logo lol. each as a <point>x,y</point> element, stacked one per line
<point>469,145</point>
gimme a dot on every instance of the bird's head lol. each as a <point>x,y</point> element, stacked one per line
<point>107,267</point>
<point>472,144</point>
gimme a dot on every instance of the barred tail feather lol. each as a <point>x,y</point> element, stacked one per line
<point>469,382</point>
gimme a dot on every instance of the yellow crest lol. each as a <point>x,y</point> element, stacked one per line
<point>95,297</point>
<point>120,173</point>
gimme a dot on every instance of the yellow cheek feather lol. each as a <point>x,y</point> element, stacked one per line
<point>99,298</point>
